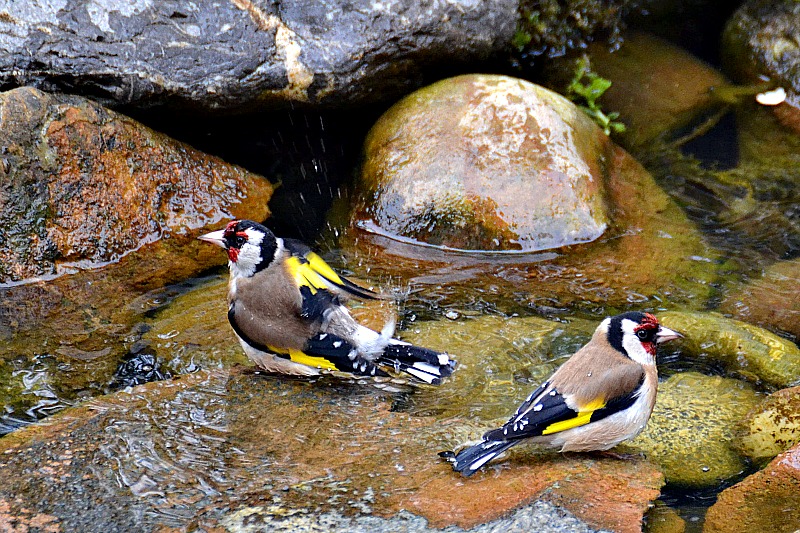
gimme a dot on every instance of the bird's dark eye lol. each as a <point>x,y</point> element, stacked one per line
<point>240,241</point>
<point>643,334</point>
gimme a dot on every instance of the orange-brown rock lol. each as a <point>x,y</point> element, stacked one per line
<point>84,186</point>
<point>657,88</point>
<point>212,448</point>
<point>768,500</point>
<point>772,301</point>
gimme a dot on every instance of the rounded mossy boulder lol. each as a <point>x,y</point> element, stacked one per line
<point>500,360</point>
<point>692,425</point>
<point>772,427</point>
<point>753,352</point>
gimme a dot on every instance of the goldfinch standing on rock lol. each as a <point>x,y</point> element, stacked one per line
<point>604,394</point>
<point>285,306</point>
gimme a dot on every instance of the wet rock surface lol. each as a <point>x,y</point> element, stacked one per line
<point>244,54</point>
<point>771,427</point>
<point>770,301</point>
<point>743,348</point>
<point>757,42</point>
<point>690,432</point>
<point>501,360</point>
<point>768,500</point>
<point>84,186</point>
<point>486,163</point>
<point>759,47</point>
<point>652,253</point>
<point>218,449</point>
<point>659,89</point>
<point>97,211</point>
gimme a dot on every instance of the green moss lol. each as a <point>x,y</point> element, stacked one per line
<point>552,28</point>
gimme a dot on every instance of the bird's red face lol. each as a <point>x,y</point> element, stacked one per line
<point>647,333</point>
<point>235,237</point>
<point>232,238</point>
<point>250,246</point>
<point>637,335</point>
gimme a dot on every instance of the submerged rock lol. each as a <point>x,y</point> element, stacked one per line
<point>768,500</point>
<point>743,348</point>
<point>216,450</point>
<point>193,331</point>
<point>692,425</point>
<point>770,301</point>
<point>772,427</point>
<point>664,519</point>
<point>242,54</point>
<point>500,361</point>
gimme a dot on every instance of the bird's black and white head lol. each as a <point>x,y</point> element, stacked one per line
<point>636,335</point>
<point>251,247</point>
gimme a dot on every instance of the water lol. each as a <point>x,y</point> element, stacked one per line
<point>510,321</point>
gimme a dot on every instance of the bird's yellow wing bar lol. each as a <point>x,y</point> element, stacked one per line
<point>298,356</point>
<point>582,417</point>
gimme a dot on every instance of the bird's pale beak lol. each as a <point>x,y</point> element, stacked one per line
<point>215,237</point>
<point>666,334</point>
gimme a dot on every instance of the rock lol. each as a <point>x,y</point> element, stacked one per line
<point>416,199</point>
<point>743,348</point>
<point>692,425</point>
<point>552,28</point>
<point>758,44</point>
<point>770,301</point>
<point>768,500</point>
<point>445,166</point>
<point>772,427</point>
<point>192,331</point>
<point>116,206</point>
<point>659,89</point>
<point>500,361</point>
<point>243,54</point>
<point>85,186</point>
<point>664,519</point>
<point>213,450</point>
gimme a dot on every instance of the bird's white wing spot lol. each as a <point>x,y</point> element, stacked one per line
<point>482,461</point>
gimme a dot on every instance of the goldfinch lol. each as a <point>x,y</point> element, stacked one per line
<point>604,394</point>
<point>285,307</point>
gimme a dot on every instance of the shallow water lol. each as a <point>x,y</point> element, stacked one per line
<point>454,301</point>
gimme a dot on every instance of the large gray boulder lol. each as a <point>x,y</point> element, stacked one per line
<point>244,53</point>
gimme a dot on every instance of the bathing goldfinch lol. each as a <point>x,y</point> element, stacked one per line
<point>603,395</point>
<point>285,307</point>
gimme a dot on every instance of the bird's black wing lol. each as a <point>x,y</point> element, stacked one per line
<point>546,411</point>
<point>310,270</point>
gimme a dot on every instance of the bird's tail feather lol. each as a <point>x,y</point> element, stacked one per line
<point>427,365</point>
<point>471,459</point>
